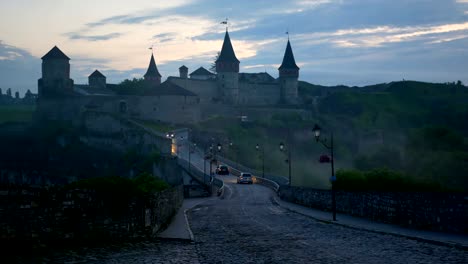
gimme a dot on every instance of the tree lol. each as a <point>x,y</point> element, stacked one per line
<point>17,95</point>
<point>8,92</point>
<point>459,83</point>
<point>213,65</point>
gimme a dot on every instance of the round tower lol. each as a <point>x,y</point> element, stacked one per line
<point>288,77</point>
<point>227,69</point>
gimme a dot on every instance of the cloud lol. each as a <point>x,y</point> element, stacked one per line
<point>384,35</point>
<point>77,36</point>
<point>121,19</point>
<point>165,37</point>
<point>19,70</point>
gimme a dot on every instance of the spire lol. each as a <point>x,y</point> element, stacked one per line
<point>227,52</point>
<point>152,69</point>
<point>288,59</point>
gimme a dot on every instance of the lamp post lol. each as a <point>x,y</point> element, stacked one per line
<point>211,159</point>
<point>190,151</point>
<point>316,131</point>
<point>204,164</point>
<point>217,151</point>
<point>171,136</point>
<point>257,147</point>
<point>282,148</point>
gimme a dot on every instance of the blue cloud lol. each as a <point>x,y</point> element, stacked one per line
<point>76,36</point>
<point>19,70</point>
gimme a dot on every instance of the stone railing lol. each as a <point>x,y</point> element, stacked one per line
<point>50,215</point>
<point>219,185</point>
<point>432,211</point>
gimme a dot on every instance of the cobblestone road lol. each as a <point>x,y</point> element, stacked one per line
<point>247,227</point>
<point>155,251</point>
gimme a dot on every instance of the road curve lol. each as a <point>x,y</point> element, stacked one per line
<point>247,226</point>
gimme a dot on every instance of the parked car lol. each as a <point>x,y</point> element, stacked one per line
<point>324,159</point>
<point>222,170</point>
<point>245,177</point>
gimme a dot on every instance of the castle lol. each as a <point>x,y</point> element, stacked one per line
<point>180,99</point>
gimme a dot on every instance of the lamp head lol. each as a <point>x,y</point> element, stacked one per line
<point>281,146</point>
<point>316,131</point>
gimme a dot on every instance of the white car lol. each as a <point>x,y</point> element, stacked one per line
<point>245,177</point>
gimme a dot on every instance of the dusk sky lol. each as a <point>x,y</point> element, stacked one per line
<point>351,42</point>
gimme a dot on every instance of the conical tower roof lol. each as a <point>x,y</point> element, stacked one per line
<point>288,60</point>
<point>152,69</point>
<point>55,53</point>
<point>227,52</point>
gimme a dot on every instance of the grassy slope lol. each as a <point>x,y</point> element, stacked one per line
<point>397,110</point>
<point>16,113</point>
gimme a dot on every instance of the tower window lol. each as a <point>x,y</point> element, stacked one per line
<point>123,107</point>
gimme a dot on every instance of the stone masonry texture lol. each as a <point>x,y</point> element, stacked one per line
<point>430,211</point>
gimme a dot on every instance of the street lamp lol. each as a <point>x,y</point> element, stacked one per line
<point>316,131</point>
<point>218,147</point>
<point>211,159</point>
<point>257,147</point>
<point>231,146</point>
<point>190,151</point>
<point>282,148</point>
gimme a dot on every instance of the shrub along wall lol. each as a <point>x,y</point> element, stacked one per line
<point>432,211</point>
<point>57,215</point>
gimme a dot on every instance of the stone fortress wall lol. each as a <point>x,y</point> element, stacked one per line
<point>258,94</point>
<point>51,215</point>
<point>445,212</point>
<point>207,90</point>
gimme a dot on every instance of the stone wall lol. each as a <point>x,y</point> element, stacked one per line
<point>170,109</point>
<point>49,215</point>
<point>112,132</point>
<point>258,93</point>
<point>431,211</point>
<point>205,89</point>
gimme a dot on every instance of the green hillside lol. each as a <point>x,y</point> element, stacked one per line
<point>16,113</point>
<point>417,129</point>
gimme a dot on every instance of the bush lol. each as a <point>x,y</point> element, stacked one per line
<point>146,183</point>
<point>121,187</point>
<point>383,179</point>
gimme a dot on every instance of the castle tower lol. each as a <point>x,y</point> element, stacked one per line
<point>55,79</point>
<point>152,75</point>
<point>288,77</point>
<point>227,68</point>
<point>183,72</point>
<point>97,79</point>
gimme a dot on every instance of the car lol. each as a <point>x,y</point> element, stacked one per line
<point>222,170</point>
<point>245,177</point>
